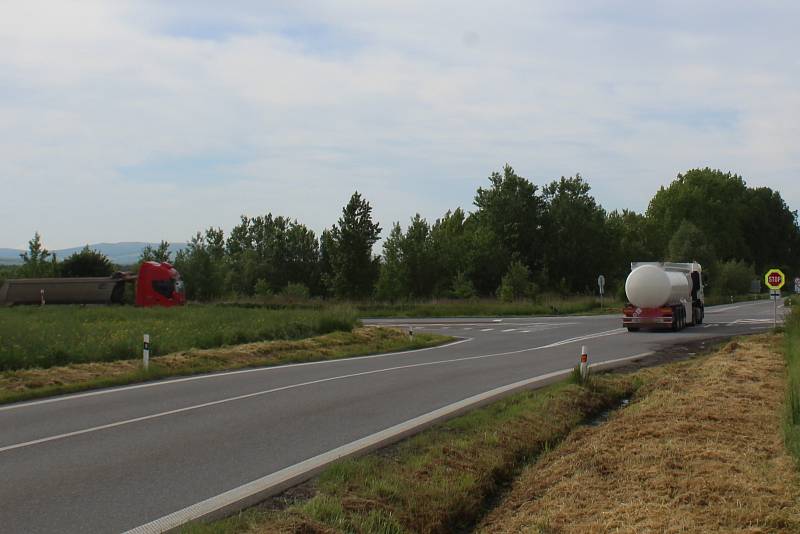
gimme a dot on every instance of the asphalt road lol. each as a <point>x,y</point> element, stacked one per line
<point>116,459</point>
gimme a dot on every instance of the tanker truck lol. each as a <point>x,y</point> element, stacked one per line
<point>663,295</point>
<point>157,284</point>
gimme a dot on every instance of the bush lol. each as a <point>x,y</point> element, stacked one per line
<point>296,291</point>
<point>463,287</point>
<point>516,283</point>
<point>733,278</point>
<point>262,288</point>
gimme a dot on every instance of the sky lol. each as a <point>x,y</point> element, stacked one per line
<point>141,121</point>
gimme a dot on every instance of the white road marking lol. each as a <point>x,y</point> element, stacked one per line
<point>295,386</point>
<point>487,329</point>
<point>525,332</point>
<point>298,472</point>
<point>509,330</point>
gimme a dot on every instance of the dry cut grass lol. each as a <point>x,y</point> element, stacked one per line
<point>701,451</point>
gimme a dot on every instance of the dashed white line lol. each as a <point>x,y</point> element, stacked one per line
<point>509,330</point>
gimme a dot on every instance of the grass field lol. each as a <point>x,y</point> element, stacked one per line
<point>25,384</point>
<point>477,307</point>
<point>33,336</point>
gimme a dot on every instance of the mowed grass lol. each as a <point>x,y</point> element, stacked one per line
<point>31,383</point>
<point>33,336</point>
<point>701,450</point>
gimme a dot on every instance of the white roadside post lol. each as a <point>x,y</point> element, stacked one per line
<point>584,363</point>
<point>601,284</point>
<point>41,293</point>
<point>146,352</point>
<point>410,332</point>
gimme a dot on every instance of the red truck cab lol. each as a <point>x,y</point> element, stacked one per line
<point>159,284</point>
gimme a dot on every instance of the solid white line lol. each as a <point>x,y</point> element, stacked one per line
<point>220,374</point>
<point>734,307</point>
<point>277,389</point>
<point>298,472</point>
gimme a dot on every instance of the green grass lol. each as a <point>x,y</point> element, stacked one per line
<point>441,480</point>
<point>33,336</point>
<point>27,384</point>
<point>483,307</point>
<point>792,340</point>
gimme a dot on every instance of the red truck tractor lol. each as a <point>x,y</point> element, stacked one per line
<point>157,284</point>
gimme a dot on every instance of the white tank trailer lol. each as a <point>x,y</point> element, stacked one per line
<point>663,295</point>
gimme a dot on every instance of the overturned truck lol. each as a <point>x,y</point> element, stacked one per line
<point>157,284</point>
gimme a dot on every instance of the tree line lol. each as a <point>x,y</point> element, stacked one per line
<point>521,239</point>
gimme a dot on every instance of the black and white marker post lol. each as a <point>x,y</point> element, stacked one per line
<point>146,352</point>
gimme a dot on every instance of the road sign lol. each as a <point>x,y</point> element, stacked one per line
<point>775,279</point>
<point>775,293</point>
<point>797,285</point>
<point>601,283</point>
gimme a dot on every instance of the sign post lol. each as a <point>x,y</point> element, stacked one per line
<point>775,279</point>
<point>601,283</point>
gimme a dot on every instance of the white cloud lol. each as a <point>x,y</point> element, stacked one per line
<point>295,106</point>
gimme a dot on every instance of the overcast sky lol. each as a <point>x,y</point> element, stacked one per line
<point>124,121</point>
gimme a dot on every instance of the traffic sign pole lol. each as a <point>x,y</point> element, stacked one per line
<point>775,279</point>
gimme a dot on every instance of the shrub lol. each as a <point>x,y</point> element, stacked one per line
<point>296,291</point>
<point>463,287</point>
<point>516,283</point>
<point>262,288</point>
<point>733,278</point>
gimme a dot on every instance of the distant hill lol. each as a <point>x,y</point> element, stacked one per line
<point>125,253</point>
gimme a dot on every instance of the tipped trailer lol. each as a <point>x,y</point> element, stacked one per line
<point>157,284</point>
<point>664,295</point>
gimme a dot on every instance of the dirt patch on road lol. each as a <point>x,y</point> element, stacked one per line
<point>699,450</point>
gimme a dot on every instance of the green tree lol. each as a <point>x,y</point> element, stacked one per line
<point>354,269</point>
<point>202,265</point>
<point>689,243</point>
<point>714,201</point>
<point>159,254</point>
<point>87,262</point>
<point>513,213</point>
<point>418,258</point>
<point>277,250</point>
<point>37,262</point>
<point>453,253</point>
<point>393,279</point>
<point>628,241</point>
<point>733,277</point>
<point>577,239</point>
